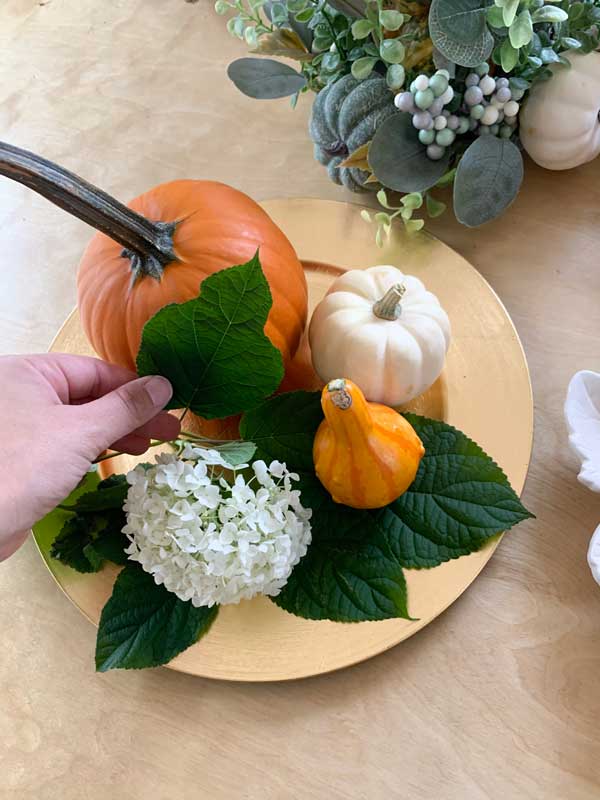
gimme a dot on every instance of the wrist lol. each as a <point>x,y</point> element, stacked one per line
<point>10,543</point>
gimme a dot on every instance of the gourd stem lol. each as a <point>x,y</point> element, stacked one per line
<point>387,307</point>
<point>149,245</point>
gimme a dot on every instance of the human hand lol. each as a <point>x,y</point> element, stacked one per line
<point>57,414</point>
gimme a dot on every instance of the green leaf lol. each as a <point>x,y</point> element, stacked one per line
<point>265,78</point>
<point>398,159</point>
<point>488,179</point>
<point>361,28</point>
<point>86,541</point>
<point>283,428</point>
<point>363,67</point>
<point>392,51</point>
<point>391,20</point>
<point>306,15</point>
<point>509,12</point>
<point>570,43</point>
<point>109,494</point>
<point>213,349</point>
<point>144,625</point>
<point>414,225</point>
<point>549,14</point>
<point>459,500</point>
<point>435,208</point>
<point>508,56</point>
<point>395,76</point>
<point>459,30</point>
<point>549,56</point>
<point>521,31</point>
<point>495,17</point>
<point>412,200</point>
<point>236,453</point>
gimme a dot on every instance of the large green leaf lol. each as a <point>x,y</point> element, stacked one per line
<point>487,180</point>
<point>283,428</point>
<point>459,499</point>
<point>213,349</point>
<point>144,625</point>
<point>459,30</point>
<point>399,160</point>
<point>265,78</point>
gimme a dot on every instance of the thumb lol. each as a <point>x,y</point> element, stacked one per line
<point>125,409</point>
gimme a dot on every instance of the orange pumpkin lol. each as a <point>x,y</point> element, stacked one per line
<point>160,249</point>
<point>366,455</point>
<point>216,227</point>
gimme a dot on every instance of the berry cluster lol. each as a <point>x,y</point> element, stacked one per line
<point>425,101</point>
<point>493,106</point>
<point>489,106</point>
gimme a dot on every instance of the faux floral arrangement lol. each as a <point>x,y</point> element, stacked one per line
<point>414,96</point>
<point>319,500</point>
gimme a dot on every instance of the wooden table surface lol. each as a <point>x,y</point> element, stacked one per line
<point>500,697</point>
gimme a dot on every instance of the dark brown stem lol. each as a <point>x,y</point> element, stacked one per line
<point>149,245</point>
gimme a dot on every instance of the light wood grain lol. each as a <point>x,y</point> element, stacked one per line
<point>500,697</point>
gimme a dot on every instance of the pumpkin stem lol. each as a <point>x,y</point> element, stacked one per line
<point>148,245</point>
<point>389,305</point>
<point>340,396</point>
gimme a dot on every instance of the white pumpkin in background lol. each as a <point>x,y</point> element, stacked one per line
<point>384,331</point>
<point>559,125</point>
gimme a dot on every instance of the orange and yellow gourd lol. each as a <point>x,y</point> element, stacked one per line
<point>365,454</point>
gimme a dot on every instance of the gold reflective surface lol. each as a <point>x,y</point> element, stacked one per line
<point>485,391</point>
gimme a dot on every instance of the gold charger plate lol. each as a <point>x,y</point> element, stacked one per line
<point>485,391</point>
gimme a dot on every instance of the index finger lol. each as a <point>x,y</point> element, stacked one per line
<point>77,378</point>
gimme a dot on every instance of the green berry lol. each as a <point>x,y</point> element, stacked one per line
<point>505,131</point>
<point>482,69</point>
<point>438,85</point>
<point>424,99</point>
<point>445,137</point>
<point>463,125</point>
<point>477,111</point>
<point>427,137</point>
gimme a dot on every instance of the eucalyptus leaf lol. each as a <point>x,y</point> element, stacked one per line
<point>361,28</point>
<point>509,12</point>
<point>487,180</point>
<point>549,56</point>
<point>391,20</point>
<point>213,348</point>
<point>363,67</point>
<point>144,625</point>
<point>509,56</point>
<point>549,14</point>
<point>459,30</point>
<point>392,51</point>
<point>399,160</point>
<point>265,79</point>
<point>395,76</point>
<point>521,31</point>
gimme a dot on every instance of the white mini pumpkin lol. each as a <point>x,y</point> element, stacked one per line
<point>384,331</point>
<point>559,125</point>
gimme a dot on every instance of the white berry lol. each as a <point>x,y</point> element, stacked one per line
<point>439,123</point>
<point>503,94</point>
<point>472,79</point>
<point>423,121</point>
<point>447,96</point>
<point>405,102</point>
<point>490,115</point>
<point>421,83</point>
<point>473,96</point>
<point>452,122</point>
<point>501,83</point>
<point>487,85</point>
<point>511,109</point>
<point>435,152</point>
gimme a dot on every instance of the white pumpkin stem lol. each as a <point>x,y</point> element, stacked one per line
<point>389,305</point>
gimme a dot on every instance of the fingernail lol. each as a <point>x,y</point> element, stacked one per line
<point>159,389</point>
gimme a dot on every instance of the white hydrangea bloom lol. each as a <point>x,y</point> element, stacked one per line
<point>210,540</point>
